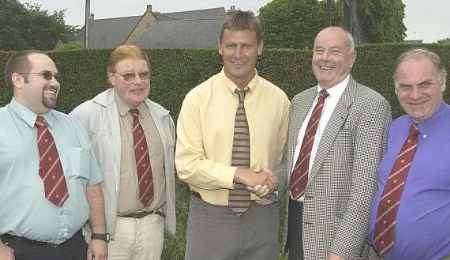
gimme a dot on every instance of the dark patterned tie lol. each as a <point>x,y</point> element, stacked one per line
<point>299,176</point>
<point>239,197</point>
<point>143,166</point>
<point>50,169</point>
<point>390,200</point>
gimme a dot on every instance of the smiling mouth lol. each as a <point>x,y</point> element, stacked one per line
<point>326,68</point>
<point>52,91</point>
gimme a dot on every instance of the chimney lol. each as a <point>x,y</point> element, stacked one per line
<point>149,9</point>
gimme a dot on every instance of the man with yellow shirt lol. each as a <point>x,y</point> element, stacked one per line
<point>231,133</point>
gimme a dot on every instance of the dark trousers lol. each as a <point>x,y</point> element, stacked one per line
<point>294,242</point>
<point>74,248</point>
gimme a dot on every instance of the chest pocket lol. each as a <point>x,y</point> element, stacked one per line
<point>76,163</point>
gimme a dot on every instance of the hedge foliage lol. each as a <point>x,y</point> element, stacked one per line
<point>175,72</point>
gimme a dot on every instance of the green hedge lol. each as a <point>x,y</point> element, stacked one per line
<point>175,72</point>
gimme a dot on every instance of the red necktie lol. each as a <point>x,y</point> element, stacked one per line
<point>392,193</point>
<point>239,196</point>
<point>143,166</point>
<point>299,176</point>
<point>50,169</point>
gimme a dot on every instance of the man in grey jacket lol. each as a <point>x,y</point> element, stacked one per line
<point>133,139</point>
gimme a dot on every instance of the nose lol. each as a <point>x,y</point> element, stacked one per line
<point>325,55</point>
<point>54,82</point>
<point>137,79</point>
<point>415,93</point>
<point>238,52</point>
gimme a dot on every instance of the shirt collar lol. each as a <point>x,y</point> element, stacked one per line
<point>336,90</point>
<point>232,86</point>
<point>28,116</point>
<point>426,125</point>
<point>123,107</point>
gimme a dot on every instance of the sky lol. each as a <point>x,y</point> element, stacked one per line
<point>425,20</point>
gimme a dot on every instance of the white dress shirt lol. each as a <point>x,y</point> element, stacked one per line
<point>335,93</point>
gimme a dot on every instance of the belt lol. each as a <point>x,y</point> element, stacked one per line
<point>141,214</point>
<point>196,194</point>
<point>8,238</point>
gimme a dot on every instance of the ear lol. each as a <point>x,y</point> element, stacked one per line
<point>260,47</point>
<point>354,56</point>
<point>18,80</point>
<point>219,47</point>
<point>111,79</point>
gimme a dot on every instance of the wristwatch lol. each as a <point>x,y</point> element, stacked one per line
<point>101,236</point>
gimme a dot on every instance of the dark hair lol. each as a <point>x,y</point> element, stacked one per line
<point>18,62</point>
<point>237,20</point>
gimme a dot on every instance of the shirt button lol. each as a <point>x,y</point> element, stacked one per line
<point>424,136</point>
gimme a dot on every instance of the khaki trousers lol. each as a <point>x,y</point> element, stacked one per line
<point>137,238</point>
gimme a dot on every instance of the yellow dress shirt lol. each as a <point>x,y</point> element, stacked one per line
<point>205,130</point>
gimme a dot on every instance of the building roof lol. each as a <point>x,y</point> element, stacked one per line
<point>188,29</point>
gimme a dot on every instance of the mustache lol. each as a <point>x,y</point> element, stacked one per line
<point>52,87</point>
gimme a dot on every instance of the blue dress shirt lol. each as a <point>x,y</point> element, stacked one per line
<point>422,230</point>
<point>24,210</point>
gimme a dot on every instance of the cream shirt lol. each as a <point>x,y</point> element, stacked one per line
<point>205,131</point>
<point>128,201</point>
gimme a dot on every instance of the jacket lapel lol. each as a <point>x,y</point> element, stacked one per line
<point>338,118</point>
<point>299,112</point>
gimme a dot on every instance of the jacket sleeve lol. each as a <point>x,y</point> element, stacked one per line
<point>369,143</point>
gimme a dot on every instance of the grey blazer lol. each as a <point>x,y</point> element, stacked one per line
<point>101,118</point>
<point>343,175</point>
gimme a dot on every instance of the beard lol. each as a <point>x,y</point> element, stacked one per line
<point>50,100</point>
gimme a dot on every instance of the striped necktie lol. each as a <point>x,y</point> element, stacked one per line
<point>50,168</point>
<point>299,176</point>
<point>143,166</point>
<point>390,200</point>
<point>239,197</point>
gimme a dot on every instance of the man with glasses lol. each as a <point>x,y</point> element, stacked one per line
<point>410,217</point>
<point>337,132</point>
<point>50,182</point>
<point>133,138</point>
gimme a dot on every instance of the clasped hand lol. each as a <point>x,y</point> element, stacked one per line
<point>261,183</point>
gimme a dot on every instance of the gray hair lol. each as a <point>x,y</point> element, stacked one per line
<point>417,53</point>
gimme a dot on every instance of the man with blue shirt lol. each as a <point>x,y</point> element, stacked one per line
<point>410,217</point>
<point>50,183</point>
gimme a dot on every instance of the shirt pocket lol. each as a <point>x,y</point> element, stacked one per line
<point>77,164</point>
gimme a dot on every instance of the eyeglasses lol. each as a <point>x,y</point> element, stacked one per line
<point>46,74</point>
<point>129,76</point>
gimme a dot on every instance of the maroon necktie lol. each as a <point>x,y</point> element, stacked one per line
<point>50,169</point>
<point>299,176</point>
<point>143,166</point>
<point>392,193</point>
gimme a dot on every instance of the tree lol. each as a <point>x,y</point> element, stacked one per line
<point>444,41</point>
<point>294,23</point>
<point>29,27</point>
<point>291,23</point>
<point>381,21</point>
